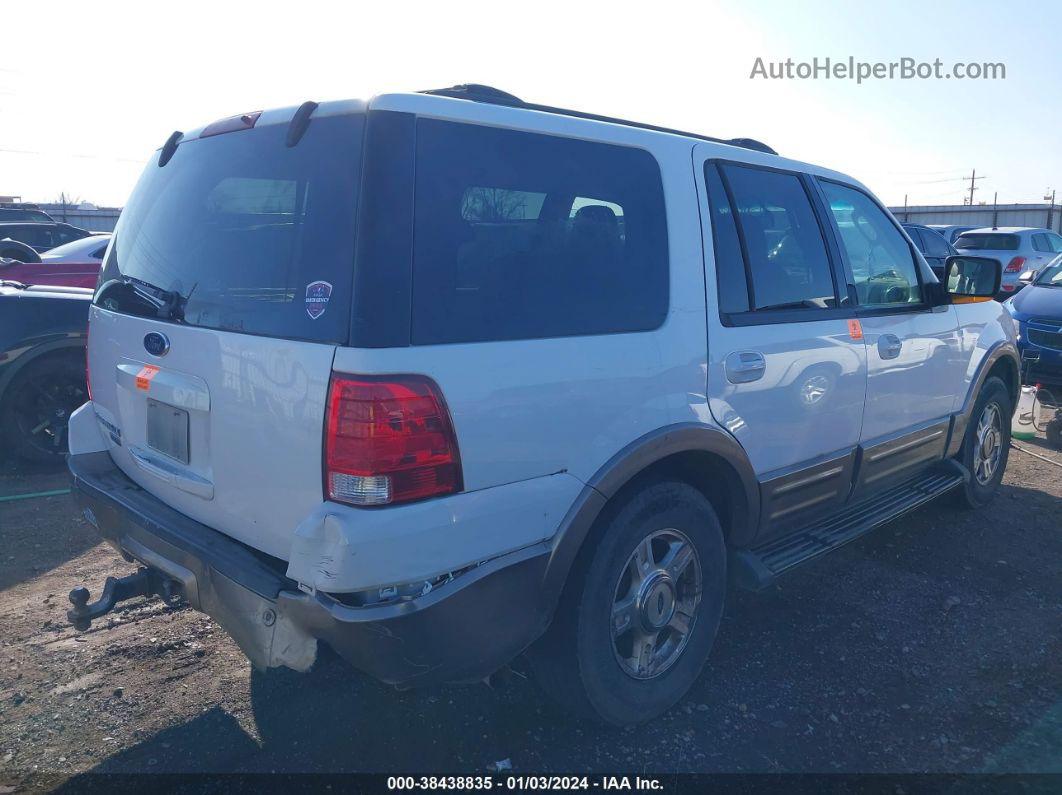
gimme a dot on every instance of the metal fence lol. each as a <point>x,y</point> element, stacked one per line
<point>100,219</point>
<point>1047,216</point>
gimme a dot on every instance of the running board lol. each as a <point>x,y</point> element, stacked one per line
<point>756,568</point>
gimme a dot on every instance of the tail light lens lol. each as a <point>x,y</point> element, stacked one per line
<point>388,440</point>
<point>1015,265</point>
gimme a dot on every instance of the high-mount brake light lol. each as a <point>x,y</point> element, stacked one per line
<point>388,440</point>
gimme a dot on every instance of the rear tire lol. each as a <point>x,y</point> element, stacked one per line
<point>625,647</point>
<point>986,445</point>
<point>37,405</point>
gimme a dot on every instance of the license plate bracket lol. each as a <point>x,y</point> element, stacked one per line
<point>167,430</point>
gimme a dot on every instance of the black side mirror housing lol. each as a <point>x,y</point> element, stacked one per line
<point>972,278</point>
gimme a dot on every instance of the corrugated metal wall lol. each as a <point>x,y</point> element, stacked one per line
<point>1035,215</point>
<point>102,219</point>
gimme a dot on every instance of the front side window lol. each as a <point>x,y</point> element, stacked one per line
<point>884,268</point>
<point>520,236</point>
<point>784,250</point>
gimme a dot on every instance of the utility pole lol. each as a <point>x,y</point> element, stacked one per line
<point>973,178</point>
<point>905,207</point>
<point>995,210</point>
<point>1051,208</point>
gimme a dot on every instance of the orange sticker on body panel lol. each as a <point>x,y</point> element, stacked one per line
<point>143,378</point>
<point>855,329</point>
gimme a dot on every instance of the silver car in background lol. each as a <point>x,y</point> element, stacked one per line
<point>1019,248</point>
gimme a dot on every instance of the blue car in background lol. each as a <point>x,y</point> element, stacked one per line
<point>1038,312</point>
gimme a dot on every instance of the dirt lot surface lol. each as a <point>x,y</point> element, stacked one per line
<point>935,644</point>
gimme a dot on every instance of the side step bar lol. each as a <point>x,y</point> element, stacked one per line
<point>757,567</point>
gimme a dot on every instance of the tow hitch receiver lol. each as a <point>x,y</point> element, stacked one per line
<point>145,582</point>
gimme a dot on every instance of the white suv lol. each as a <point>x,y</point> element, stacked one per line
<point>440,378</point>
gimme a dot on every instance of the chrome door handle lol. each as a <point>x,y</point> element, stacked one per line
<point>889,346</point>
<point>743,367</point>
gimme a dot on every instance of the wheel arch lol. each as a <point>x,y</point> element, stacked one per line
<point>1001,361</point>
<point>707,458</point>
<point>32,356</point>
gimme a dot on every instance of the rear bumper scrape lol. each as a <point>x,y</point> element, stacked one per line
<point>462,630</point>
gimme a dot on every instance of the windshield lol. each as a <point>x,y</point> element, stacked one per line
<point>89,247</point>
<point>1052,274</point>
<point>988,241</point>
<point>243,233</point>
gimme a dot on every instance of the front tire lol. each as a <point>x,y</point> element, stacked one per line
<point>641,611</point>
<point>986,446</point>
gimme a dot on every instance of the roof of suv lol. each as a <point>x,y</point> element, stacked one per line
<point>485,105</point>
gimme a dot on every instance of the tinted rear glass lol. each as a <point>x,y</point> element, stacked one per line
<point>245,233</point>
<point>988,240</point>
<point>520,235</point>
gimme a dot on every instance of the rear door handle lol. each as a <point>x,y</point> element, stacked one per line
<point>889,346</point>
<point>743,367</point>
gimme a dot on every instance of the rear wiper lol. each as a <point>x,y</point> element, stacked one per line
<point>169,304</point>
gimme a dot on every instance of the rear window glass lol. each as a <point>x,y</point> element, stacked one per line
<point>244,234</point>
<point>520,236</point>
<point>988,240</point>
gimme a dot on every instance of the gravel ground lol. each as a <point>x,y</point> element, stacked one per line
<point>933,645</point>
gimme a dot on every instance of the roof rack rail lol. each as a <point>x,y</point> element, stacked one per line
<point>476,92</point>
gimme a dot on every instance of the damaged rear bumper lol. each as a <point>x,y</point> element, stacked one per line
<point>462,630</point>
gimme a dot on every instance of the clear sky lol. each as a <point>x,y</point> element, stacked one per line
<point>88,90</point>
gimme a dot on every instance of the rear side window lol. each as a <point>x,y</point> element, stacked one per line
<point>787,263</point>
<point>729,262</point>
<point>520,236</point>
<point>883,265</point>
<point>988,241</point>
<point>1040,242</point>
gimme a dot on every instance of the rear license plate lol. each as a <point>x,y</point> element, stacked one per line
<point>167,430</point>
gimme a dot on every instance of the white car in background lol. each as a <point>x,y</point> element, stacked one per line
<point>1019,248</point>
<point>951,232</point>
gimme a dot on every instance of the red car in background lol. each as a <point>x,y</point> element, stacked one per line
<point>74,264</point>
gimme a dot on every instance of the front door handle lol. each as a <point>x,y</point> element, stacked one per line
<point>742,367</point>
<point>889,346</point>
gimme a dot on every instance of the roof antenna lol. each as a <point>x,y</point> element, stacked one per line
<point>299,122</point>
<point>170,147</point>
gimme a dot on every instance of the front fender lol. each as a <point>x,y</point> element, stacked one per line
<point>988,333</point>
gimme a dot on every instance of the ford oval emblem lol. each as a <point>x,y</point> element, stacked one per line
<point>156,344</point>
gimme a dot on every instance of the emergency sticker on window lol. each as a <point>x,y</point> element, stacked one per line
<point>317,295</point>
<point>143,378</point>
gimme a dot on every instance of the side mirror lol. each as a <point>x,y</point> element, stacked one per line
<point>970,279</point>
<point>1027,277</point>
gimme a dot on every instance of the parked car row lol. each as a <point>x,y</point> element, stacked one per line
<point>75,264</point>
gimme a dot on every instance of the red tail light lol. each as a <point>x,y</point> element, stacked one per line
<point>1015,265</point>
<point>388,440</point>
